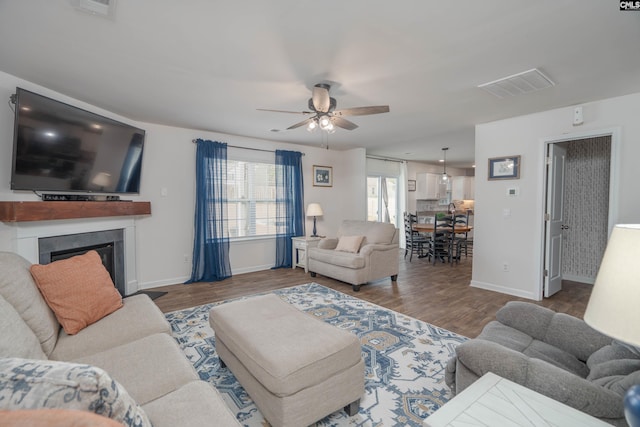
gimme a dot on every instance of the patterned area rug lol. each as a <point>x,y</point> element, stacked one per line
<point>405,358</point>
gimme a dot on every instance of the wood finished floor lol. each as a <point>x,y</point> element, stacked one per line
<point>438,294</point>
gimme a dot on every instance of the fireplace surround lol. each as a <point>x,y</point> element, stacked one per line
<point>27,237</point>
<point>108,243</point>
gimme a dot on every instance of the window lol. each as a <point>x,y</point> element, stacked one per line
<point>251,198</point>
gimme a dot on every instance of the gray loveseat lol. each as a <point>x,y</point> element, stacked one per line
<point>554,354</point>
<point>376,257</point>
<point>43,367</point>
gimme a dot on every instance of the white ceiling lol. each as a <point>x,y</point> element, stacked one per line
<point>207,64</point>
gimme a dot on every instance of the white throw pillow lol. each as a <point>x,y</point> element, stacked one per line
<point>349,244</point>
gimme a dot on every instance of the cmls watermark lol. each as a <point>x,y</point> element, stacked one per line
<point>629,5</point>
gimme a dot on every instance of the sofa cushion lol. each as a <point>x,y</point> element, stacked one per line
<point>337,258</point>
<point>79,290</point>
<point>54,418</point>
<point>32,384</point>
<point>615,350</point>
<point>114,329</point>
<point>19,289</point>
<point>136,366</point>
<point>203,404</point>
<point>349,244</point>
<point>16,339</point>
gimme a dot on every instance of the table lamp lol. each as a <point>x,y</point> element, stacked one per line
<point>614,305</point>
<point>314,210</point>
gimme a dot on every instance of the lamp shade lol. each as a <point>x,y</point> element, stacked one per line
<point>614,305</point>
<point>314,209</point>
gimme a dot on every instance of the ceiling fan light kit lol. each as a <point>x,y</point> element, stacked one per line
<point>325,116</point>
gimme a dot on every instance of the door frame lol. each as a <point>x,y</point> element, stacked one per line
<point>614,178</point>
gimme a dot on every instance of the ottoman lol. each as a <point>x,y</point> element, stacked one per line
<point>296,368</point>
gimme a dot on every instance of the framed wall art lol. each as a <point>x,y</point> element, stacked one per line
<point>322,176</point>
<point>504,168</point>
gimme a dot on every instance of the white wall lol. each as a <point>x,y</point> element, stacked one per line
<point>517,239</point>
<point>169,162</point>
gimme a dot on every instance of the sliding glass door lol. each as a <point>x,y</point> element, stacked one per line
<point>382,199</point>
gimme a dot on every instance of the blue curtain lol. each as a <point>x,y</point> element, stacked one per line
<point>289,204</point>
<point>211,242</point>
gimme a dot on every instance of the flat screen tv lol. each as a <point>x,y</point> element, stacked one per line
<point>61,148</point>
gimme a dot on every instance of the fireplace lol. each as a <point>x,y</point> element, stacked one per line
<point>108,243</point>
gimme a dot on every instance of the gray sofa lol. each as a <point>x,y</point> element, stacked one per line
<point>554,354</point>
<point>376,257</point>
<point>129,354</point>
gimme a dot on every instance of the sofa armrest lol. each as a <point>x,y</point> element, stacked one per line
<point>370,248</point>
<point>328,243</point>
<point>480,357</point>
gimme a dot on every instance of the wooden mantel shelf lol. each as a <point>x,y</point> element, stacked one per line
<point>46,211</point>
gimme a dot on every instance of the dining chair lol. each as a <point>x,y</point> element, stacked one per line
<point>414,241</point>
<point>439,247</point>
<point>460,238</point>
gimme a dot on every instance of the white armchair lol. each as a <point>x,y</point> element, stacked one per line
<point>363,251</point>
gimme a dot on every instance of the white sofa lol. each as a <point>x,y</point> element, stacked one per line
<point>132,346</point>
<point>376,257</point>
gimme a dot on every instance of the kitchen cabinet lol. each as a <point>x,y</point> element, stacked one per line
<point>428,187</point>
<point>462,188</point>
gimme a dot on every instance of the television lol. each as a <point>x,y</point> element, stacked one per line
<point>61,148</point>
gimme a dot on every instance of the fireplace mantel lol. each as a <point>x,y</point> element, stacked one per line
<point>18,211</point>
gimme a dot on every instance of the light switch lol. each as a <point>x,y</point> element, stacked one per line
<point>164,192</point>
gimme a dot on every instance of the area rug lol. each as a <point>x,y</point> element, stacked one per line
<point>405,358</point>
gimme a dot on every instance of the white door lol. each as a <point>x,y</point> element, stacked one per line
<point>553,220</point>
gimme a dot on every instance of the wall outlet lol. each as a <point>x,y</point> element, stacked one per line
<point>505,266</point>
<point>186,258</point>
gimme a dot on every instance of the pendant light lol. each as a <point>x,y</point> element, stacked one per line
<point>444,178</point>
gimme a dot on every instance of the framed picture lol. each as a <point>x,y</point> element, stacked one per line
<point>412,185</point>
<point>504,167</point>
<point>322,176</point>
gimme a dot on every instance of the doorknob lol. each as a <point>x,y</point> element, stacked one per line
<point>564,227</point>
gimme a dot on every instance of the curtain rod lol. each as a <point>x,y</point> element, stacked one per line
<point>386,159</point>
<point>246,148</point>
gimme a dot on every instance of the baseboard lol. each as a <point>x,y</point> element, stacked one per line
<point>180,280</point>
<point>164,282</point>
<point>581,279</point>
<point>252,269</point>
<point>504,290</point>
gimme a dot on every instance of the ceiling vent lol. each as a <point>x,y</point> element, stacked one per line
<point>105,8</point>
<point>517,84</point>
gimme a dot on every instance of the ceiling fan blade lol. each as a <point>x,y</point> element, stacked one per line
<point>343,123</point>
<point>320,97</point>
<point>284,111</point>
<point>302,123</point>
<point>362,111</point>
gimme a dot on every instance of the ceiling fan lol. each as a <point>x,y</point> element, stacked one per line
<point>324,113</point>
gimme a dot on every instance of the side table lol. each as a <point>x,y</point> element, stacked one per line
<point>496,401</point>
<point>299,246</point>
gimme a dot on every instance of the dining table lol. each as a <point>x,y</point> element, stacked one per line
<point>429,228</point>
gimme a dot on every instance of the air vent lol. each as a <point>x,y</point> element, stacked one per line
<point>517,84</point>
<point>104,8</point>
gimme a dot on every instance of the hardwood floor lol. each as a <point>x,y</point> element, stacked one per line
<point>439,294</point>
